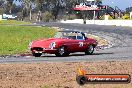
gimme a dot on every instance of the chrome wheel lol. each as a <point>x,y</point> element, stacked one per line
<point>62,52</point>
<point>90,50</point>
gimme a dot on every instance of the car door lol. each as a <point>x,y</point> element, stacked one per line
<point>81,43</point>
<point>73,45</point>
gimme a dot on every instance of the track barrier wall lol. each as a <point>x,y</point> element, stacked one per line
<point>101,22</point>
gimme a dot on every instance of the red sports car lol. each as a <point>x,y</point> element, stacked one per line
<point>64,43</point>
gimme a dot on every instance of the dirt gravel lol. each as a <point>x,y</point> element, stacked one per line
<point>59,75</point>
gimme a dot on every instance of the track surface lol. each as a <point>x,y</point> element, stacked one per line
<point>120,43</point>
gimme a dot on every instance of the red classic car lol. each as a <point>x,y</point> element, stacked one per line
<point>64,43</point>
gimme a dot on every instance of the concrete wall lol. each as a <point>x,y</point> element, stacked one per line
<point>101,22</point>
<point>0,17</point>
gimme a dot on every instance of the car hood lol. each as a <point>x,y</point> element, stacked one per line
<point>44,43</point>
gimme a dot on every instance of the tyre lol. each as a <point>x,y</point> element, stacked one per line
<point>37,54</point>
<point>81,80</point>
<point>67,54</point>
<point>89,50</point>
<point>62,52</point>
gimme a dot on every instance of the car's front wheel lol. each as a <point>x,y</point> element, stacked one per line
<point>62,52</point>
<point>89,50</point>
<point>36,54</point>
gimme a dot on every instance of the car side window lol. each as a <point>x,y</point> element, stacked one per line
<point>72,37</point>
<point>80,36</point>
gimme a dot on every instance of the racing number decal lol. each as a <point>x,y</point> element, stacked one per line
<point>80,44</point>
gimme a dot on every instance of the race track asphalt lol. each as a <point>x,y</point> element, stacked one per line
<point>120,45</point>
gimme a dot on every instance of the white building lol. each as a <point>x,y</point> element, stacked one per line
<point>130,15</point>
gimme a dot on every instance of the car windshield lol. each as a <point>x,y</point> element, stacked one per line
<point>69,35</point>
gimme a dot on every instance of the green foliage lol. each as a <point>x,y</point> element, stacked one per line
<point>128,10</point>
<point>1,11</point>
<point>46,87</point>
<point>126,16</point>
<point>110,18</point>
<point>15,39</point>
<point>47,16</point>
<point>103,17</point>
<point>70,17</point>
<point>12,22</point>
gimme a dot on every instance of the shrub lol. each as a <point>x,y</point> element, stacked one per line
<point>47,16</point>
<point>103,17</point>
<point>126,16</point>
<point>69,17</point>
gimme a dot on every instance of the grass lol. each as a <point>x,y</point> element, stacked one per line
<point>12,22</point>
<point>15,39</point>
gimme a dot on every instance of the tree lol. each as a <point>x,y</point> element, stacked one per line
<point>2,6</point>
<point>128,10</point>
<point>27,5</point>
<point>98,2</point>
<point>9,5</point>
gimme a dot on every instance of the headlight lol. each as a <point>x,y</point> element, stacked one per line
<point>52,45</point>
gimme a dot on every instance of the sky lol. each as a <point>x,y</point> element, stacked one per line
<point>122,4</point>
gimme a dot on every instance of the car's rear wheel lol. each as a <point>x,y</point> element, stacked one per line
<point>62,52</point>
<point>89,50</point>
<point>36,54</point>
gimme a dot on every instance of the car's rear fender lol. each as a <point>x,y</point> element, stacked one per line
<point>94,45</point>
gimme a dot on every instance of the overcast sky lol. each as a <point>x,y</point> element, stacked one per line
<point>122,4</point>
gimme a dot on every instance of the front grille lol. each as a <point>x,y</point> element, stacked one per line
<point>37,49</point>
